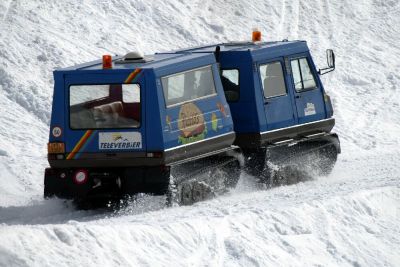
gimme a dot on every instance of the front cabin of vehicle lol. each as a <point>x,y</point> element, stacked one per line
<point>273,90</point>
<point>135,118</point>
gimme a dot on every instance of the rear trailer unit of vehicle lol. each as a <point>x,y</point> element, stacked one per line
<point>181,121</point>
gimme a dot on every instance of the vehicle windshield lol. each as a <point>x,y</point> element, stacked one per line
<point>104,106</point>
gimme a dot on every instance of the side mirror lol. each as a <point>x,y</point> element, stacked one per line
<point>330,60</point>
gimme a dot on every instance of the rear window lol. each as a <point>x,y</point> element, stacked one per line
<point>187,86</point>
<point>104,106</point>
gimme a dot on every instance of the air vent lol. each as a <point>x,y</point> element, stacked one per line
<point>133,57</point>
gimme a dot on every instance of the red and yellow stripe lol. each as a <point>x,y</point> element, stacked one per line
<point>80,144</point>
<point>133,76</point>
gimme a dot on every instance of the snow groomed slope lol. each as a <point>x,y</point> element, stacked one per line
<point>350,218</point>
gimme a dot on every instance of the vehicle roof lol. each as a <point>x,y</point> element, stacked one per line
<point>257,50</point>
<point>155,61</point>
<point>246,46</point>
<point>200,53</point>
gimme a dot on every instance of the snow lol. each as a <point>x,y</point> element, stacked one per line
<point>350,218</point>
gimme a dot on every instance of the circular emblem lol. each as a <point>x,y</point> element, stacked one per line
<point>191,120</point>
<point>56,131</point>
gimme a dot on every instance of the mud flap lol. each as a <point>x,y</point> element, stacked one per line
<point>58,182</point>
<point>153,180</point>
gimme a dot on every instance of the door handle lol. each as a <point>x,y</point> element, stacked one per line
<point>298,96</point>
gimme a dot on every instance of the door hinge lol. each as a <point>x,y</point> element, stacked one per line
<point>287,66</point>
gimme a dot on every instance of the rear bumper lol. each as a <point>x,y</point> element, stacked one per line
<point>169,156</point>
<point>105,182</point>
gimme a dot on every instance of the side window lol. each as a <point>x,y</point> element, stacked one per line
<point>298,83</point>
<point>174,87</point>
<point>272,79</point>
<point>188,85</point>
<point>302,75</point>
<point>230,83</point>
<point>130,93</point>
<point>308,78</point>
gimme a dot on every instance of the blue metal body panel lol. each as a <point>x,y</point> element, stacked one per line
<point>217,120</point>
<point>253,112</point>
<point>246,112</point>
<point>314,96</point>
<point>159,128</point>
<point>277,110</point>
<point>92,145</point>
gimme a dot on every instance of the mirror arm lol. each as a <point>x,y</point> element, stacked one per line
<point>325,70</point>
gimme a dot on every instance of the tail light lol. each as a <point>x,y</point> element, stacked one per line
<point>154,155</point>
<point>55,148</point>
<point>80,176</point>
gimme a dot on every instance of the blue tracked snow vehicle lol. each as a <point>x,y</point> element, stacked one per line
<point>178,121</point>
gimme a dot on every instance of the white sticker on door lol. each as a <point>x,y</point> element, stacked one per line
<point>309,110</point>
<point>120,140</point>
